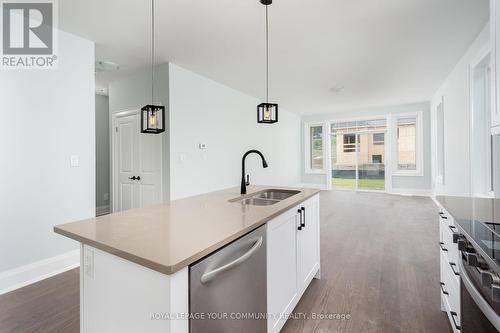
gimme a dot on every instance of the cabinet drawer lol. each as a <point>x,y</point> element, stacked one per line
<point>450,290</point>
<point>452,315</point>
<point>452,248</point>
<point>446,231</point>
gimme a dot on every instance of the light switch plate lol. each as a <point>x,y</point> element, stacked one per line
<point>74,161</point>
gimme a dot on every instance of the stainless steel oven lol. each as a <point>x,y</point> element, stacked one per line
<point>479,292</point>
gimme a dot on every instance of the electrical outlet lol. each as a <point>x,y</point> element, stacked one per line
<point>88,262</point>
<point>203,146</point>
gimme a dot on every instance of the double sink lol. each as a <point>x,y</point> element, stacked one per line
<point>267,197</point>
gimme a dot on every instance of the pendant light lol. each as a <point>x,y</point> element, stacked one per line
<point>153,116</point>
<point>267,113</point>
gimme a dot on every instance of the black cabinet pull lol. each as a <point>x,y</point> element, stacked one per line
<point>453,265</point>
<point>442,288</point>
<point>138,178</point>
<point>441,245</point>
<point>453,315</point>
<point>300,222</point>
<point>303,210</point>
<point>456,235</point>
<point>132,178</point>
<point>443,216</point>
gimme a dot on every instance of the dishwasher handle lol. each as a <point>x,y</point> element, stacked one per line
<point>209,276</point>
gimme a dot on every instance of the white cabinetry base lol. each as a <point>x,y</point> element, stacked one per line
<point>119,296</point>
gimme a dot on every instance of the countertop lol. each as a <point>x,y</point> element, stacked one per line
<point>485,210</point>
<point>478,219</point>
<point>169,237</point>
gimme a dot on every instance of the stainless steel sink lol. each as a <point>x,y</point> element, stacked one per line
<point>258,201</point>
<point>276,194</point>
<point>267,197</point>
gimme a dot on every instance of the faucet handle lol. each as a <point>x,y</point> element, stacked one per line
<point>248,180</point>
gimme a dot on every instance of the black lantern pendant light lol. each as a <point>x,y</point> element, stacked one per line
<point>153,116</point>
<point>267,113</point>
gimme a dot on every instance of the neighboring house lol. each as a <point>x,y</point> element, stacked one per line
<point>371,150</point>
<point>370,153</point>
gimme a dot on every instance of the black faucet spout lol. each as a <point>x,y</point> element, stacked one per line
<point>245,183</point>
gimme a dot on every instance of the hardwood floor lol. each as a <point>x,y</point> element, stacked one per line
<point>380,266</point>
<point>51,305</point>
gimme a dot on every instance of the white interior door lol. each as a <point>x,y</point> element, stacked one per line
<point>137,165</point>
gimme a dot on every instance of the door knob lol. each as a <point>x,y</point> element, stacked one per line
<point>138,178</point>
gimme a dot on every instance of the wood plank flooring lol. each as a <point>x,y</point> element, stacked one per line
<point>51,305</point>
<point>380,266</point>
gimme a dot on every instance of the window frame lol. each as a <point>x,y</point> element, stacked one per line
<point>419,131</point>
<point>307,148</point>
<point>378,142</point>
<point>349,149</point>
<point>381,159</point>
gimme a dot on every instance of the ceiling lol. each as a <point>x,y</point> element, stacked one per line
<point>326,55</point>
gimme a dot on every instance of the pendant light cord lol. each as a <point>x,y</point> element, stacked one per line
<point>152,51</point>
<point>267,54</point>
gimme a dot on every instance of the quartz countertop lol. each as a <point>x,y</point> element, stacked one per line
<point>169,237</point>
<point>485,210</point>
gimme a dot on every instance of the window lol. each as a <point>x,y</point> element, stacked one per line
<point>358,153</point>
<point>315,148</point>
<point>408,144</point>
<point>377,159</point>
<point>349,143</point>
<point>378,139</point>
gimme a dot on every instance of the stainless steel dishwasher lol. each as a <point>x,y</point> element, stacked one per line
<point>228,289</point>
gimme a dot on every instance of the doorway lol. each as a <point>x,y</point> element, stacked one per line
<point>102,155</point>
<point>137,163</point>
<point>358,155</point>
<point>484,145</point>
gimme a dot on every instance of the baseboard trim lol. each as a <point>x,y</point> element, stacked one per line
<point>25,275</point>
<point>411,192</point>
<point>102,210</point>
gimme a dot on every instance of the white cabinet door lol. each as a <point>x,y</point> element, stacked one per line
<point>495,64</point>
<point>282,291</point>
<point>308,242</point>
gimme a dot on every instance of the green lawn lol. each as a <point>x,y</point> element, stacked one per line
<point>362,183</point>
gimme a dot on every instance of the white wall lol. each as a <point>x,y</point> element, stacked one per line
<point>102,150</point>
<point>204,111</point>
<point>132,92</point>
<point>456,92</point>
<point>420,183</point>
<point>47,116</point>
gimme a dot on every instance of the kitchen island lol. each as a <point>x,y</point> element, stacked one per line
<point>135,264</point>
